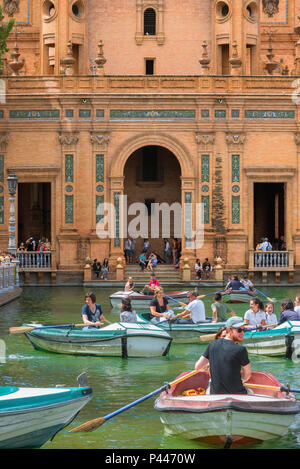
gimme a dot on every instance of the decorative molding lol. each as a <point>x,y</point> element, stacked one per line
<point>153,114</point>
<point>235,139</point>
<point>68,140</point>
<point>204,140</point>
<point>10,7</point>
<point>100,140</point>
<point>4,140</point>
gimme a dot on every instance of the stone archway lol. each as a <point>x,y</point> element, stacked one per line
<point>186,176</point>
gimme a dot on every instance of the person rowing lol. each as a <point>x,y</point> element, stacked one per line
<point>92,314</point>
<point>159,307</point>
<point>228,361</point>
<point>194,312</point>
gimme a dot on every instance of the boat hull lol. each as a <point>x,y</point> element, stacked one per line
<point>35,420</point>
<point>226,419</point>
<point>130,341</point>
<point>139,300</point>
<point>280,341</point>
<point>239,296</point>
<point>184,333</point>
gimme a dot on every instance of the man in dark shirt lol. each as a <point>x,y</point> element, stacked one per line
<point>235,284</point>
<point>228,361</point>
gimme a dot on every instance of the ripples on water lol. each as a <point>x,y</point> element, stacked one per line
<point>115,381</point>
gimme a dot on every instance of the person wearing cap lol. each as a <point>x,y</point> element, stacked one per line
<point>228,360</point>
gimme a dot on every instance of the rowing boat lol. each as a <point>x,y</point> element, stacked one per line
<point>226,419</point>
<point>140,300</point>
<point>279,341</point>
<point>31,416</point>
<point>239,296</point>
<point>118,339</point>
<point>184,333</point>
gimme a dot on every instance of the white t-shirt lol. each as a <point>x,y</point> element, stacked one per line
<point>271,318</point>
<point>197,310</point>
<point>297,309</point>
<point>255,319</point>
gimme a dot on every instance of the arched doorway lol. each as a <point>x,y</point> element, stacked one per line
<point>152,178</point>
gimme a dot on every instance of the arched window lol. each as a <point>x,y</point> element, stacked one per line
<point>149,22</point>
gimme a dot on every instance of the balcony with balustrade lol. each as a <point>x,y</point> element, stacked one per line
<point>272,261</point>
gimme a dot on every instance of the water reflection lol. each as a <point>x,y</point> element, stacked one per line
<point>115,381</point>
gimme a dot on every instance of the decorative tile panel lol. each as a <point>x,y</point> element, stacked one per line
<point>252,114</point>
<point>99,168</point>
<point>204,168</point>
<point>220,113</point>
<point>117,219</point>
<point>188,219</point>
<point>30,114</point>
<point>85,113</point>
<point>235,113</point>
<point>235,189</point>
<point>235,168</point>
<point>205,208</point>
<point>69,209</point>
<point>152,114</point>
<point>69,168</point>
<point>99,208</point>
<point>235,209</point>
<point>205,113</point>
<point>1,168</point>
<point>1,210</point>
<point>100,113</point>
<point>69,113</point>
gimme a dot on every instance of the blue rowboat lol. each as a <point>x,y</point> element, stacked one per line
<point>282,340</point>
<point>31,416</point>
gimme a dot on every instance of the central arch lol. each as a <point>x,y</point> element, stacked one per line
<point>125,165</point>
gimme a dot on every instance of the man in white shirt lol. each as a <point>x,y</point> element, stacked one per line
<point>265,245</point>
<point>194,312</point>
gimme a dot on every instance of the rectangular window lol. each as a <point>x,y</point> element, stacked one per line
<point>1,210</point>
<point>149,66</point>
<point>205,208</point>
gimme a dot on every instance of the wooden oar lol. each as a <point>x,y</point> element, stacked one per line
<point>92,425</point>
<point>272,388</point>
<point>272,300</point>
<point>206,338</point>
<point>208,294</point>
<point>24,329</point>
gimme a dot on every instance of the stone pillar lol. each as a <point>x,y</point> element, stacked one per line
<point>186,271</point>
<point>120,270</point>
<point>218,268</point>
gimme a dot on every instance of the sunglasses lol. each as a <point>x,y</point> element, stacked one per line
<point>240,329</point>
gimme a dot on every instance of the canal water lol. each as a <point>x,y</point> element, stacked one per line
<point>116,381</point>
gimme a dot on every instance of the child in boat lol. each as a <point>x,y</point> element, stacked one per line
<point>271,318</point>
<point>127,315</point>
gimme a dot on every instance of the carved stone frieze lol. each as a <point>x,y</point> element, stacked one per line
<point>68,140</point>
<point>4,140</point>
<point>235,139</point>
<point>10,7</point>
<point>204,139</point>
<point>100,139</point>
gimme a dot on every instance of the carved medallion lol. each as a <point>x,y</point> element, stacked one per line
<point>10,7</point>
<point>270,7</point>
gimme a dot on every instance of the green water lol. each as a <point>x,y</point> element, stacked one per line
<point>115,381</point>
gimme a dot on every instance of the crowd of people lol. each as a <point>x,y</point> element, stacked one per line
<point>148,258</point>
<point>228,365</point>
<point>34,244</point>
<point>277,245</point>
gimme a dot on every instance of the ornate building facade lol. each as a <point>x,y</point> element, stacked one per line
<point>164,101</point>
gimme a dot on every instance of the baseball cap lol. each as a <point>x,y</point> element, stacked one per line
<point>235,321</point>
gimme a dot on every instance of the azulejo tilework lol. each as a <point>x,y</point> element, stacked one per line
<point>152,114</point>
<point>268,114</point>
<point>31,114</point>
